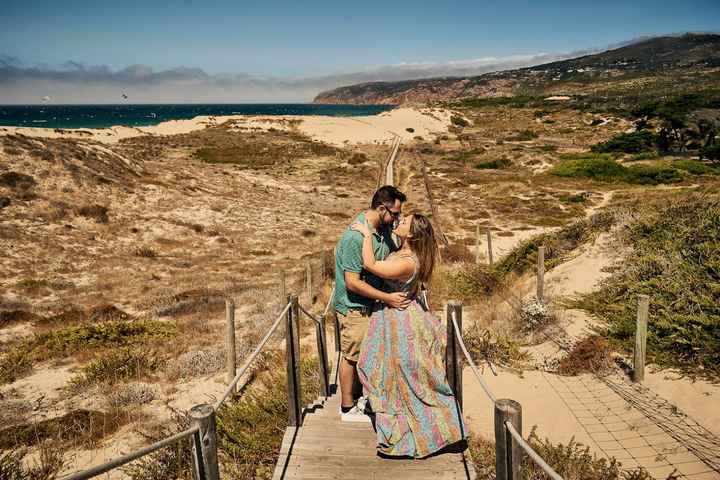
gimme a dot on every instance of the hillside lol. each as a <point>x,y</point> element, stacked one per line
<point>647,60</point>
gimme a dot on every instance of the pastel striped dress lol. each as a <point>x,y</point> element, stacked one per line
<point>402,371</point>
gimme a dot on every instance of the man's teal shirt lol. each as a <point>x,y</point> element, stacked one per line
<point>348,258</point>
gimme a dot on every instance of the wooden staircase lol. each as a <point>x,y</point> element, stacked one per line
<point>326,448</point>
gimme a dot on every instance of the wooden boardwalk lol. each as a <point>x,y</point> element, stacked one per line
<point>326,448</point>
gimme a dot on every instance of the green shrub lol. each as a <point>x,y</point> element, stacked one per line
<point>605,170</point>
<point>465,155</point>
<point>519,101</point>
<point>711,152</point>
<point>498,164</point>
<point>696,168</point>
<point>118,365</point>
<point>673,255</point>
<point>467,282</point>
<point>557,245</point>
<point>70,340</point>
<point>572,461</point>
<point>73,339</point>
<point>458,121</point>
<point>574,198</point>
<point>14,364</point>
<point>548,148</point>
<point>647,155</point>
<point>634,142</point>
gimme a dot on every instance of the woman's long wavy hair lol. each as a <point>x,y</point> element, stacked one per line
<point>423,244</point>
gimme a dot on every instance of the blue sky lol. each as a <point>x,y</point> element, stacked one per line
<point>322,38</point>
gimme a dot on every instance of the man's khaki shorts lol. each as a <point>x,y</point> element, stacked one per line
<point>353,327</point>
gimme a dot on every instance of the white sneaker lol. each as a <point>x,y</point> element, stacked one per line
<point>355,414</point>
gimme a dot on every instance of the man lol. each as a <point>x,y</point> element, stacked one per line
<point>357,290</point>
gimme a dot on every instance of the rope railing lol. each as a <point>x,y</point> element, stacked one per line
<point>532,453</point>
<point>309,315</point>
<point>507,412</point>
<point>458,336</point>
<point>252,357</point>
<point>120,461</point>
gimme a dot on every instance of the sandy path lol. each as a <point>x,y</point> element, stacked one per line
<point>612,417</point>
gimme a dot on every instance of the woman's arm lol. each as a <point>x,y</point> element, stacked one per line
<point>397,269</point>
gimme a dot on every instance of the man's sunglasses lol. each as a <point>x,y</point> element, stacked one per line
<point>395,215</point>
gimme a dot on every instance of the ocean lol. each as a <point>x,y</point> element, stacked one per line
<point>101,116</point>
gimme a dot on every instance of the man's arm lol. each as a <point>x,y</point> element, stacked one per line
<point>356,285</point>
<point>350,255</point>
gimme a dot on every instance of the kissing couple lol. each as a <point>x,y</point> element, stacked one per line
<point>392,347</point>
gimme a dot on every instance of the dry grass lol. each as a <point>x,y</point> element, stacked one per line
<point>77,428</point>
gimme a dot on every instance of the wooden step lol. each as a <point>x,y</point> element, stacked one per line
<point>326,448</point>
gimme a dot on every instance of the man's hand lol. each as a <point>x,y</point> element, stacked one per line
<point>397,300</point>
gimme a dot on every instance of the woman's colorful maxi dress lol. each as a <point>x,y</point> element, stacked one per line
<point>402,371</point>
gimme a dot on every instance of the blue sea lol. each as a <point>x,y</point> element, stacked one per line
<point>101,116</point>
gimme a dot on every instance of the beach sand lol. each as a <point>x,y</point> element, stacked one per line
<point>338,131</point>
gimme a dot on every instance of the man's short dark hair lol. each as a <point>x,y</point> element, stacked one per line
<point>386,195</point>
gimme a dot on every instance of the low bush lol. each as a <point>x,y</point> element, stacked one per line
<point>466,155</point>
<point>572,461</point>
<point>197,363</point>
<point>17,180</point>
<point>467,282</point>
<point>131,395</point>
<point>695,167</point>
<point>70,340</point>
<point>13,465</point>
<point>574,198</point>
<point>78,427</point>
<point>522,136</point>
<point>590,355</point>
<point>711,152</point>
<point>605,170</point>
<point>250,427</point>
<point>498,164</point>
<point>145,252</point>
<point>634,142</point>
<point>459,121</point>
<point>118,365</point>
<point>494,347</point>
<point>96,212</point>
<point>557,245</point>
<point>673,255</point>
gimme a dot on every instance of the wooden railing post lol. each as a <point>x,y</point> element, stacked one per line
<point>336,322</point>
<point>640,338</point>
<point>292,353</point>
<point>507,450</point>
<point>205,458</point>
<point>322,355</point>
<point>322,267</point>
<point>489,247</point>
<point>308,282</point>
<point>283,292</point>
<point>541,274</point>
<point>477,244</point>
<point>453,368</point>
<point>230,361</point>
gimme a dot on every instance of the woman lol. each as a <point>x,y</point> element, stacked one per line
<point>401,359</point>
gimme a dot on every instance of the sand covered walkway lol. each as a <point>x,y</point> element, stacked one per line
<point>667,425</point>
